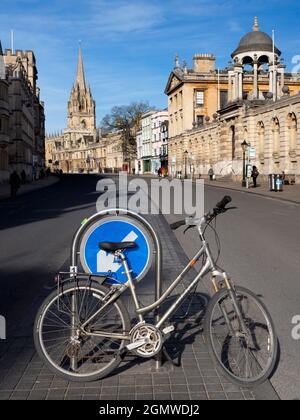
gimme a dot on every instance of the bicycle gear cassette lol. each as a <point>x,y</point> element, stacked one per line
<point>150,339</point>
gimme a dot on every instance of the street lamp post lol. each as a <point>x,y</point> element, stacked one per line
<point>186,162</point>
<point>245,148</point>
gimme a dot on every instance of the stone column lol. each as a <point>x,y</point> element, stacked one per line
<point>230,95</point>
<point>241,86</point>
<point>234,97</point>
<point>281,69</point>
<point>275,92</point>
<point>270,80</point>
<point>238,72</point>
<point>255,81</point>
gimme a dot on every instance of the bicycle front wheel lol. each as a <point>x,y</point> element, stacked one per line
<point>62,345</point>
<point>246,349</point>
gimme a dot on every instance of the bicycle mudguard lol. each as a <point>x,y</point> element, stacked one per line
<point>98,278</point>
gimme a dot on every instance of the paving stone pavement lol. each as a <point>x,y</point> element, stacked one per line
<point>23,376</point>
<point>290,193</point>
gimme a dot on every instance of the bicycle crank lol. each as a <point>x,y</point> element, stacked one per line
<point>146,340</point>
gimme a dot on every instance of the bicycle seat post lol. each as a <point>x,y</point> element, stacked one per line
<point>122,256</point>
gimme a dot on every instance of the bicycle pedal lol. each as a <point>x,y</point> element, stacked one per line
<point>168,330</point>
<point>136,345</point>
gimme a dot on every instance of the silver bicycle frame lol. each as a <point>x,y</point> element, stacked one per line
<point>208,267</point>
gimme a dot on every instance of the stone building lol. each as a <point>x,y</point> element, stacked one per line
<point>22,119</point>
<point>112,156</point>
<point>4,120</point>
<point>152,142</point>
<point>73,151</point>
<point>81,147</point>
<point>212,112</point>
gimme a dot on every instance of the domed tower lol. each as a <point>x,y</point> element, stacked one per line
<point>81,106</point>
<point>256,49</point>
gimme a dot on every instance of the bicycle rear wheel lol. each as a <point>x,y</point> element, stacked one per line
<point>67,351</point>
<point>246,357</point>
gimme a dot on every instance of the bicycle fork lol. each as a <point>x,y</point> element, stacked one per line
<point>232,295</point>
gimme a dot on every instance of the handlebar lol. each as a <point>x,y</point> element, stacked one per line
<point>222,204</point>
<point>219,208</point>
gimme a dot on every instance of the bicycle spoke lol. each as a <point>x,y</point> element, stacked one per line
<point>245,355</point>
<point>72,350</point>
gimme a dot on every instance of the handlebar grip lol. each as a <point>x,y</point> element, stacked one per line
<point>177,225</point>
<point>222,204</point>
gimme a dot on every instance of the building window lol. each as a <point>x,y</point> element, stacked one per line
<point>199,98</point>
<point>200,120</point>
<point>223,98</point>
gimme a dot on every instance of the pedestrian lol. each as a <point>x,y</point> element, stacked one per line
<point>23,177</point>
<point>48,172</point>
<point>159,172</point>
<point>254,175</point>
<point>15,183</point>
<point>42,174</point>
<point>283,178</point>
<point>211,174</point>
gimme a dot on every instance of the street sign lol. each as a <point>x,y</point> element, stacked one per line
<point>252,153</point>
<point>116,229</point>
<point>249,171</point>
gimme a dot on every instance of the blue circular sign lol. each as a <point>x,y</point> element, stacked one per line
<point>116,229</point>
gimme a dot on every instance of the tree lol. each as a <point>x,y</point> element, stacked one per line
<point>127,119</point>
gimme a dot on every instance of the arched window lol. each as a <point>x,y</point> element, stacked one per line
<point>292,131</point>
<point>276,136</point>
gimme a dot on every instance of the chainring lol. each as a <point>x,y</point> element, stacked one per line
<point>152,335</point>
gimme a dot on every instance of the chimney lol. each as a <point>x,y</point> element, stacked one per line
<point>204,63</point>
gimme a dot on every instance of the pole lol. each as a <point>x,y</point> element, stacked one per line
<point>274,72</point>
<point>12,40</point>
<point>219,99</point>
<point>244,185</point>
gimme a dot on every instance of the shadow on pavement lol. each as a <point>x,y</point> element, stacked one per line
<point>49,202</point>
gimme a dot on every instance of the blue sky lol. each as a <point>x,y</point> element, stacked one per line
<point>129,45</point>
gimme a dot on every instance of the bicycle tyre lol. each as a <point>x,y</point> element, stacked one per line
<point>98,290</point>
<point>267,372</point>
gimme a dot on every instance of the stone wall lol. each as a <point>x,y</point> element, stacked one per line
<point>273,129</point>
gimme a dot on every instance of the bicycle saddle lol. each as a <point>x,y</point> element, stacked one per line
<point>116,246</point>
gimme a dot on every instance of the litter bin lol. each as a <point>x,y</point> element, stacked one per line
<point>275,183</point>
<point>272,182</point>
<point>279,184</point>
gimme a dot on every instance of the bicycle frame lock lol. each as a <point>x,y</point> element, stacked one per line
<point>112,215</point>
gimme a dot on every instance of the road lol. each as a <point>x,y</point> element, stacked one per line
<point>260,250</point>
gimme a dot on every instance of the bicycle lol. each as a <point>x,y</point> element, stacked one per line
<point>83,330</point>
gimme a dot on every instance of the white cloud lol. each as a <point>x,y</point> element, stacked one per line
<point>235,26</point>
<point>124,16</point>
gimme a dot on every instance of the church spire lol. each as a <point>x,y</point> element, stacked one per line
<point>80,80</point>
<point>81,106</point>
